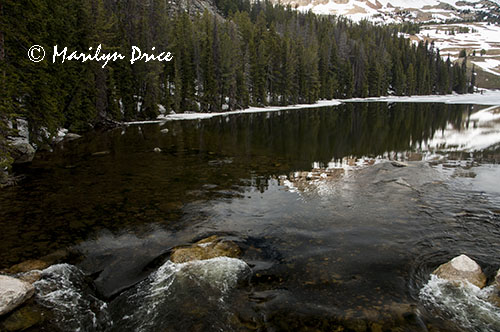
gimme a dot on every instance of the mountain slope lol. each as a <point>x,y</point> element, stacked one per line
<point>398,11</point>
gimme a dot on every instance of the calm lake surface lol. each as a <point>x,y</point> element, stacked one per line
<point>334,236</point>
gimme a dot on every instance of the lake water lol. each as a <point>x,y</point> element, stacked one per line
<point>334,236</point>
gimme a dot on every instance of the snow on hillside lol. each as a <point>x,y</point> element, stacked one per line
<point>481,36</point>
<point>395,11</point>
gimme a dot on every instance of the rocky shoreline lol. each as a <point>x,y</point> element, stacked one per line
<point>20,309</point>
<point>22,150</point>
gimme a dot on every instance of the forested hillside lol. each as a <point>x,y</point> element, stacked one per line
<point>260,54</point>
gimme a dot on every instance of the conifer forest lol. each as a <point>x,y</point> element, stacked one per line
<point>241,55</point>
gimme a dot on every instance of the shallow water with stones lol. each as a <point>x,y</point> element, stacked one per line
<point>333,235</point>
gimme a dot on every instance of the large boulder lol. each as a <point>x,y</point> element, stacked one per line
<point>462,269</point>
<point>207,248</point>
<point>13,292</point>
<point>23,151</point>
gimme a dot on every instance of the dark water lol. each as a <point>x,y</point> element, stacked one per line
<point>349,250</point>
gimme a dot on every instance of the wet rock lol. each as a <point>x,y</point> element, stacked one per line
<point>396,163</point>
<point>207,248</point>
<point>494,297</point>
<point>461,173</point>
<point>71,136</point>
<point>23,151</point>
<point>157,150</point>
<point>57,256</point>
<point>13,293</point>
<point>28,316</point>
<point>29,265</point>
<point>462,269</point>
<point>403,182</point>
<point>30,276</point>
<point>39,264</point>
<point>100,153</point>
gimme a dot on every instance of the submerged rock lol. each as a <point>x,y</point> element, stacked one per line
<point>40,263</point>
<point>396,163</point>
<point>28,316</point>
<point>462,269</point>
<point>29,265</point>
<point>101,153</point>
<point>30,276</point>
<point>13,293</point>
<point>207,248</point>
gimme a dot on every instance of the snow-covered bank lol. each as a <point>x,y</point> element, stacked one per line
<point>190,116</point>
<point>197,116</point>
<point>489,97</point>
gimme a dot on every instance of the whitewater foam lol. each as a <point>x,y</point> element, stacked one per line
<point>175,285</point>
<point>468,305</point>
<point>63,290</point>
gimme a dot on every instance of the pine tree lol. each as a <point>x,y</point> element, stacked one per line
<point>411,80</point>
<point>472,80</point>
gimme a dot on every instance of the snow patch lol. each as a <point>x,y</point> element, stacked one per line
<point>197,116</point>
<point>488,97</point>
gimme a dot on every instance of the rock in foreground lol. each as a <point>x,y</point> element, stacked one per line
<point>461,269</point>
<point>210,247</point>
<point>23,151</point>
<point>13,292</point>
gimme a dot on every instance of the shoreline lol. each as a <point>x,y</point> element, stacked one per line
<point>488,98</point>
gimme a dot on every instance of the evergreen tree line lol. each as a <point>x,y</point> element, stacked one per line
<point>245,54</point>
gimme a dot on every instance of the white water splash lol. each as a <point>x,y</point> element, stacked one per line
<point>468,305</point>
<point>220,273</point>
<point>205,282</point>
<point>63,290</point>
